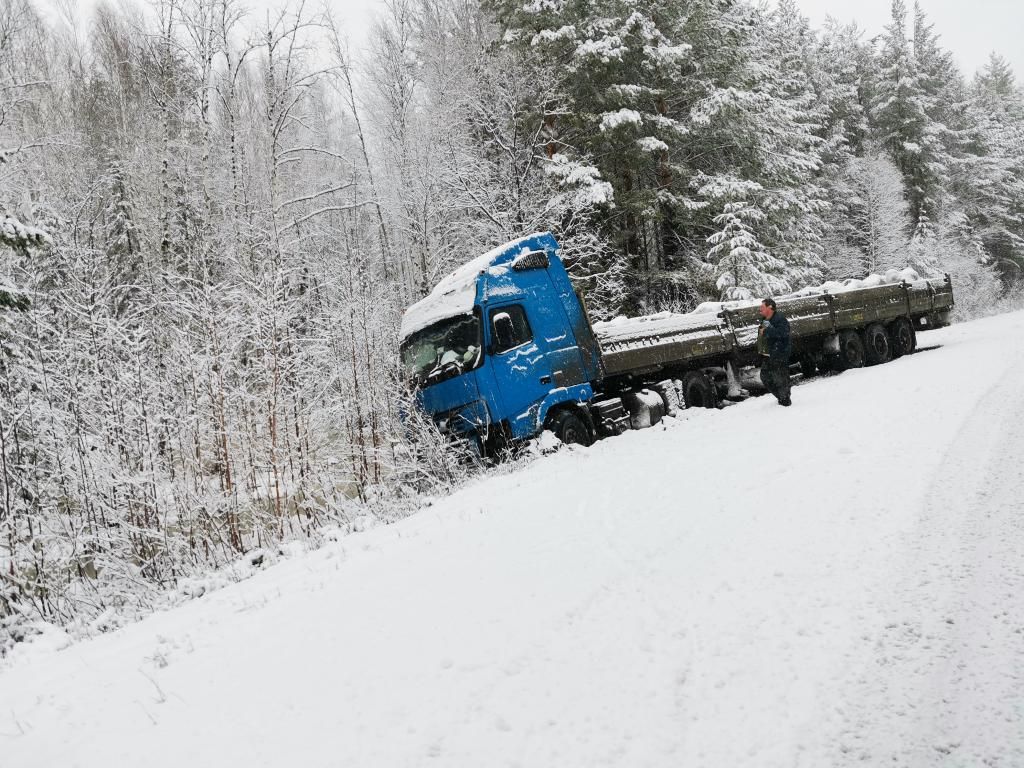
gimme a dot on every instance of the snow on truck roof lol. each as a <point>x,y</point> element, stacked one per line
<point>455,294</point>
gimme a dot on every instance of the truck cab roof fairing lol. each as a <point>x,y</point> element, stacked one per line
<point>456,294</point>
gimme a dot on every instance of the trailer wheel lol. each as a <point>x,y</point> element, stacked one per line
<point>851,351</point>
<point>903,337</point>
<point>570,428</point>
<point>878,350</point>
<point>699,390</point>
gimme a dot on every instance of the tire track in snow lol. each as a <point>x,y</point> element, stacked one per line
<point>945,684</point>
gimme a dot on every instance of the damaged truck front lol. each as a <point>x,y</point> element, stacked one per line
<point>503,345</point>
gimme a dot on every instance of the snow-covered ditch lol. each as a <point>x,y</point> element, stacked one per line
<point>838,583</point>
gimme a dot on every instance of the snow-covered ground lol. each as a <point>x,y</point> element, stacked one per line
<point>837,583</point>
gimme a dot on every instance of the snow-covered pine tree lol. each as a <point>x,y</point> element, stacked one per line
<point>973,271</point>
<point>925,252</point>
<point>899,117</point>
<point>843,80</point>
<point>877,215</point>
<point>626,77</point>
<point>743,266</point>
<point>842,74</point>
<point>766,106</point>
<point>989,179</point>
<point>21,238</point>
<point>796,201</point>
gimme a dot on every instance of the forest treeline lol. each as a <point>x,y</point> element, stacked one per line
<point>211,221</point>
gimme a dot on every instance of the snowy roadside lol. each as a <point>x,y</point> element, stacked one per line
<point>825,585</point>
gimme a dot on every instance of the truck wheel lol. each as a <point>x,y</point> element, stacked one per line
<point>877,347</point>
<point>851,351</point>
<point>902,337</point>
<point>496,444</point>
<point>699,390</point>
<point>570,428</point>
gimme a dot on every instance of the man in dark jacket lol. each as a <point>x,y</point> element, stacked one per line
<point>775,348</point>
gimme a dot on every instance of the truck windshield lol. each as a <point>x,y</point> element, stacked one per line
<point>443,350</point>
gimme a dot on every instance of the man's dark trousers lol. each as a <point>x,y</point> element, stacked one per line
<point>775,377</point>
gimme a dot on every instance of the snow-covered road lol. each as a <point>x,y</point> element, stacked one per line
<point>839,583</point>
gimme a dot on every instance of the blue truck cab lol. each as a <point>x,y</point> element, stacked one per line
<point>502,344</point>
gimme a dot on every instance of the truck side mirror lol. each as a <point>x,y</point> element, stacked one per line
<point>503,332</point>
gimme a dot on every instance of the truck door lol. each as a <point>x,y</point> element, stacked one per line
<point>521,367</point>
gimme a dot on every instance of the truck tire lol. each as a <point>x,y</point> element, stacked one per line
<point>851,351</point>
<point>496,444</point>
<point>902,337</point>
<point>571,429</point>
<point>877,346</point>
<point>699,390</point>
